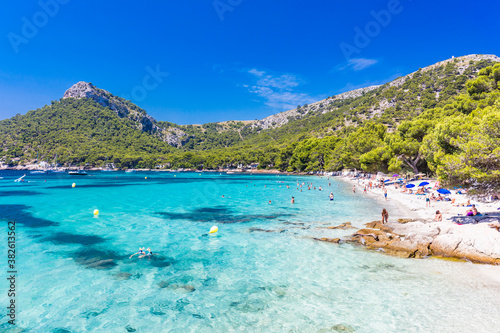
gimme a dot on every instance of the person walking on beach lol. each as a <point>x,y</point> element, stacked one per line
<point>385,216</point>
<point>354,189</point>
<point>427,200</point>
<point>385,194</point>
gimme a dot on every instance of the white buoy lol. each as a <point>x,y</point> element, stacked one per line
<point>96,212</point>
<point>213,230</point>
<point>73,185</point>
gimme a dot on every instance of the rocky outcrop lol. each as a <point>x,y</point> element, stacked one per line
<point>173,135</point>
<point>87,90</point>
<point>280,119</point>
<point>346,225</point>
<point>416,239</point>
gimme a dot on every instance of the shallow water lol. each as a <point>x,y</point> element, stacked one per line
<point>75,274</point>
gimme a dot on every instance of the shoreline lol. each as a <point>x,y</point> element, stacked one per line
<point>411,231</point>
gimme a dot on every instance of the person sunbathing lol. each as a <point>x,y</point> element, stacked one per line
<point>473,211</point>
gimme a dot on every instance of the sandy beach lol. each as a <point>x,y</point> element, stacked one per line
<point>456,236</point>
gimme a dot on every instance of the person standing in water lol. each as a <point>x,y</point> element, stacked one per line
<point>293,200</point>
<point>385,194</point>
<point>354,189</point>
<point>385,216</point>
<point>331,196</point>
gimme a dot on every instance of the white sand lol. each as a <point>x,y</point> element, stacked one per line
<point>402,205</point>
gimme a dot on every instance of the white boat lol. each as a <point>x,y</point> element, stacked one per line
<point>35,172</point>
<point>130,170</point>
<point>78,173</point>
<point>19,180</point>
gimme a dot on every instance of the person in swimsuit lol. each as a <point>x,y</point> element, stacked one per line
<point>438,217</point>
<point>148,254</point>
<point>140,252</point>
<point>385,216</point>
<point>331,196</point>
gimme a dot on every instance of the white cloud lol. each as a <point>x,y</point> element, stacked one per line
<point>256,72</point>
<point>356,64</point>
<point>278,91</point>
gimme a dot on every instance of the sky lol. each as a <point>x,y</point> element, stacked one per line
<point>193,62</point>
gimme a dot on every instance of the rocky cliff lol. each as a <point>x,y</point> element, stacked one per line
<point>328,104</point>
<point>125,109</point>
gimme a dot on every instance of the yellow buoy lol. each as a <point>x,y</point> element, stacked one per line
<point>214,229</point>
<point>73,185</point>
<point>96,212</point>
<point>175,175</point>
<point>145,177</point>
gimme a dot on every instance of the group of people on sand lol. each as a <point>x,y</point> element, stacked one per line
<point>143,254</point>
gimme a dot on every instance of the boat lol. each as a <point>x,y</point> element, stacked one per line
<point>78,173</point>
<point>55,169</point>
<point>107,168</point>
<point>35,172</point>
<point>19,180</point>
<point>130,170</point>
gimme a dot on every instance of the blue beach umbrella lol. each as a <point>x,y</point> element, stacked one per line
<point>410,185</point>
<point>443,191</point>
<point>401,179</point>
<point>387,180</point>
<point>423,184</point>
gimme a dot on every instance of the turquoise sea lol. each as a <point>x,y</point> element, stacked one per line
<point>261,272</point>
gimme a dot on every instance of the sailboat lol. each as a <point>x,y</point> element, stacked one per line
<point>106,169</point>
<point>38,171</point>
<point>20,180</point>
<point>56,169</point>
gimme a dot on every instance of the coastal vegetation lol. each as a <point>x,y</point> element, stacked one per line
<point>444,120</point>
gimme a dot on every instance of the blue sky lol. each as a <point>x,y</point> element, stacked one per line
<point>227,59</point>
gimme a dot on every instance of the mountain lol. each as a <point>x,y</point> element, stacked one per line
<point>88,125</point>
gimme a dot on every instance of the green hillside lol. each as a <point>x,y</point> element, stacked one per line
<point>79,131</point>
<point>442,119</point>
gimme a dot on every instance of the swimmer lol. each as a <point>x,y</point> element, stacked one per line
<point>269,201</point>
<point>331,196</point>
<point>148,254</point>
<point>293,200</point>
<point>140,253</point>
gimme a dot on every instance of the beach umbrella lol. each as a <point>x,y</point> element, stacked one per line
<point>401,179</point>
<point>387,180</point>
<point>423,184</point>
<point>410,185</point>
<point>395,175</point>
<point>443,191</point>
